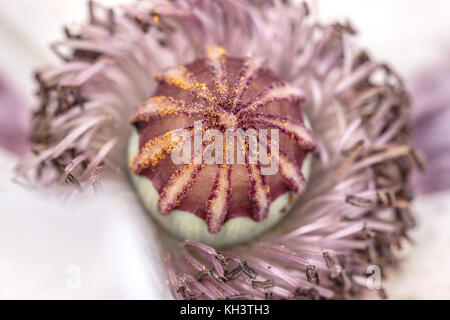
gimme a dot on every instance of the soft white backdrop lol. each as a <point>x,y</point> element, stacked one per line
<point>41,246</point>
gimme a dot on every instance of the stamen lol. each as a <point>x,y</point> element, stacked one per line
<point>360,202</point>
<point>385,198</point>
<point>247,270</point>
<point>269,296</point>
<point>233,274</point>
<point>331,265</point>
<point>75,163</point>
<point>222,258</point>
<point>94,178</point>
<point>361,73</point>
<point>262,284</point>
<point>240,296</point>
<point>70,179</point>
<point>312,274</point>
<point>99,157</point>
<point>187,293</point>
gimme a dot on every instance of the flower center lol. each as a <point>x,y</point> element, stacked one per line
<point>216,106</point>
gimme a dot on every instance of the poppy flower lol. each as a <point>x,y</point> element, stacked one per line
<point>160,65</point>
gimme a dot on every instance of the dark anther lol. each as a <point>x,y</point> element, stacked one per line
<point>73,152</point>
<point>222,258</point>
<point>143,25</point>
<point>200,275</point>
<point>306,8</point>
<point>331,265</point>
<point>70,179</point>
<point>211,275</point>
<point>300,294</point>
<point>233,274</point>
<point>385,198</point>
<point>359,202</point>
<point>384,240</point>
<point>345,28</point>
<point>67,32</point>
<point>342,260</point>
<point>69,97</point>
<point>59,54</point>
<point>303,294</point>
<point>406,217</point>
<point>247,270</point>
<point>86,55</point>
<point>269,296</point>
<point>360,59</point>
<point>58,164</point>
<point>312,274</point>
<point>240,296</point>
<point>262,284</point>
<point>186,293</point>
<point>70,35</point>
<point>215,277</point>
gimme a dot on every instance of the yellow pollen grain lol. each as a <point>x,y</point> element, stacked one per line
<point>148,156</point>
<point>215,51</point>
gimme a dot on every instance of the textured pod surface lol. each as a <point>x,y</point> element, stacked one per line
<point>211,91</point>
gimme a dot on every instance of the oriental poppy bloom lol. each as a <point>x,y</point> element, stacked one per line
<point>339,201</point>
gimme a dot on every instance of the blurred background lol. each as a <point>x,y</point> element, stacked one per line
<point>100,253</point>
